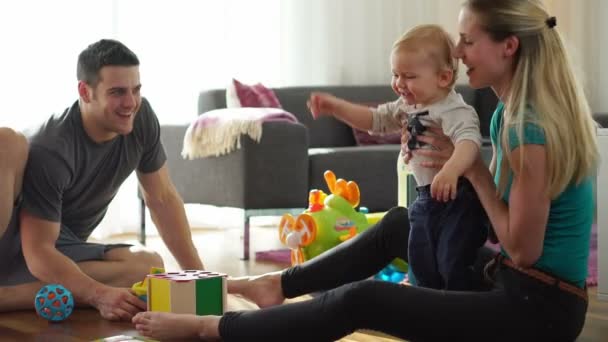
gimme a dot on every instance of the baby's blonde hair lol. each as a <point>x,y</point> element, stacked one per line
<point>432,40</point>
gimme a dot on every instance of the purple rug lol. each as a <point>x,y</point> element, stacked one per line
<point>282,256</point>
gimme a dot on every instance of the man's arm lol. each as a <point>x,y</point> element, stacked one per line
<point>46,263</point>
<point>169,216</point>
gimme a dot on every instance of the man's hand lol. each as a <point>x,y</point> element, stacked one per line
<point>117,304</point>
<point>444,186</point>
<point>322,104</point>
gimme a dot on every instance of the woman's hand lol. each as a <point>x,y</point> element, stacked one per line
<point>405,151</point>
<point>442,144</point>
<point>443,151</point>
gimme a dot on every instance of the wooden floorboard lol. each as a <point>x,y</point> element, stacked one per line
<point>221,250</point>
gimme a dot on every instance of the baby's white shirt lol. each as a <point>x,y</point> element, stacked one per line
<point>457,119</point>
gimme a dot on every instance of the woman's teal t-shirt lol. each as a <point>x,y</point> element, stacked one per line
<point>566,246</point>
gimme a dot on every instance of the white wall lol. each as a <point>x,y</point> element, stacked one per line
<point>349,41</point>
<point>585,30</point>
<point>600,58</point>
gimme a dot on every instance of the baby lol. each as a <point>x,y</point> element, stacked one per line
<point>447,221</point>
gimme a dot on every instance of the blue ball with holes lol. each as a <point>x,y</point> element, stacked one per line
<point>54,302</point>
<point>391,273</point>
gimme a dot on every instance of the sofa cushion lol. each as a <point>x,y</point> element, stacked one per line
<point>601,119</point>
<point>257,95</point>
<point>369,166</point>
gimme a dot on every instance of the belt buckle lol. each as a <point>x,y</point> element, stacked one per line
<point>489,271</point>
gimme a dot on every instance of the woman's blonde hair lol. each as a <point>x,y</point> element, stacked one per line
<point>543,84</point>
<point>432,40</point>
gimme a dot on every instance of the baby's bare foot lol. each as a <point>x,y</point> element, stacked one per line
<point>164,325</point>
<point>264,290</point>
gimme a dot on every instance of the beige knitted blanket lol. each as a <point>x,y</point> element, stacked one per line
<point>219,131</point>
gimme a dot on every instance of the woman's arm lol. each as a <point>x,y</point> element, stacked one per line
<point>521,226</point>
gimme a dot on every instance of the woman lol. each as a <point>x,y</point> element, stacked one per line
<point>544,155</point>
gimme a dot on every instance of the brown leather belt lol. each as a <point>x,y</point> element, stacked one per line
<point>544,277</point>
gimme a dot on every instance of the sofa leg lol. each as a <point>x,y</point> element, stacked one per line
<point>246,237</point>
<point>142,224</point>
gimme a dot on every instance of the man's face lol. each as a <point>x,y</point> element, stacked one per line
<point>115,100</point>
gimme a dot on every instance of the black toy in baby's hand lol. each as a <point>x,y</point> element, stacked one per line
<point>415,127</point>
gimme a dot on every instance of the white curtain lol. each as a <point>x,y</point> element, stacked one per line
<point>584,27</point>
<point>188,45</point>
<point>40,41</point>
<point>183,46</point>
<point>349,41</point>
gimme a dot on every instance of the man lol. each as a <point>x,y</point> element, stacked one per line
<point>13,157</point>
<point>77,161</point>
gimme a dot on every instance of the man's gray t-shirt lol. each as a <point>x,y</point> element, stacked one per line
<point>71,179</point>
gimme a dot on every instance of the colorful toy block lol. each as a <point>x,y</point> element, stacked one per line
<point>141,288</point>
<point>188,292</point>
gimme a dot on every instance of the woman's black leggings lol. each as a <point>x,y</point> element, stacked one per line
<point>515,308</point>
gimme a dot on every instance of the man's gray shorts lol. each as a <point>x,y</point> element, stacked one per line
<point>14,271</point>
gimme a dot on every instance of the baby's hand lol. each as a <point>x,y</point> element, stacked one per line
<point>321,104</point>
<point>443,187</point>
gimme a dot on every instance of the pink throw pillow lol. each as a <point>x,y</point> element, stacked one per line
<point>257,95</point>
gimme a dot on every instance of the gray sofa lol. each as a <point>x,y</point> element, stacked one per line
<point>275,175</point>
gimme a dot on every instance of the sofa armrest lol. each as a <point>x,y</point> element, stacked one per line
<point>211,99</point>
<point>271,174</point>
<point>601,119</point>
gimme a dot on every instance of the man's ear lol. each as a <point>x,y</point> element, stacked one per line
<point>84,91</point>
<point>511,46</point>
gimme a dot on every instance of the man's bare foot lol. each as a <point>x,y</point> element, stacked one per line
<point>165,325</point>
<point>264,290</point>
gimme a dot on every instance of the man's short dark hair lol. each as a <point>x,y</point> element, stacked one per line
<point>106,52</point>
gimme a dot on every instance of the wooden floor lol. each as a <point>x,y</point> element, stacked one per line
<point>220,250</point>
